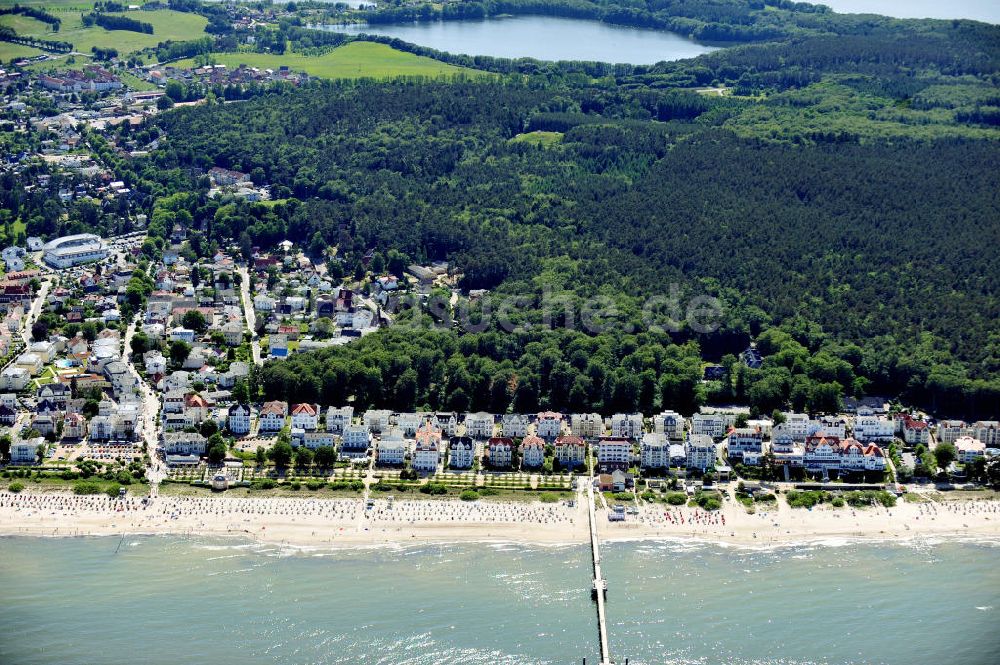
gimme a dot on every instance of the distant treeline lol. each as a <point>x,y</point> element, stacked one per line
<point>35,13</point>
<point>8,34</point>
<point>114,22</point>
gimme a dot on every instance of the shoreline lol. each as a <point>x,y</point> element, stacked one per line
<point>344,523</point>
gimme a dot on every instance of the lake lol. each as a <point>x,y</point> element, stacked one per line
<point>168,600</point>
<point>541,37</point>
<point>980,10</point>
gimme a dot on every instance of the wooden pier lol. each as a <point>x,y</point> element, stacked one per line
<point>600,586</point>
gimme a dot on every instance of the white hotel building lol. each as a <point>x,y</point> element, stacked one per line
<point>70,251</point>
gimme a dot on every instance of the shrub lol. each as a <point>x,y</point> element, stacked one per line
<point>838,502</point>
<point>622,496</point>
<point>469,495</point>
<point>433,488</point>
<point>15,487</point>
<point>676,498</point>
<point>549,497</point>
<point>113,490</point>
<point>488,491</point>
<point>765,497</point>
<point>806,499</point>
<point>315,484</point>
<point>295,486</point>
<point>708,501</point>
<point>263,484</point>
<point>86,487</point>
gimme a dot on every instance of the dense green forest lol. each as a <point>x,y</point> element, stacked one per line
<point>841,203</point>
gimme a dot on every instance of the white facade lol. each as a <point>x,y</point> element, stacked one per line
<point>514,425</point>
<point>655,452</point>
<point>70,251</point>
<point>479,425</point>
<point>669,423</point>
<point>355,440</point>
<point>338,419</point>
<point>426,456</point>
<point>745,440</point>
<point>532,452</point>
<point>708,424</point>
<point>701,452</point>
<point>305,416</point>
<point>548,425</point>
<point>873,428</point>
<point>391,451</point>
<point>238,419</point>
<point>626,425</point>
<point>377,420</point>
<point>461,452</point>
<point>587,425</point>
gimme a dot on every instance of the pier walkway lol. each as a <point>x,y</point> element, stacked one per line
<point>600,584</point>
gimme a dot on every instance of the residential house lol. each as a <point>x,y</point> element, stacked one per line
<point>14,378</point>
<point>669,423</point>
<point>548,425</point>
<point>354,441</point>
<point>987,432</point>
<point>821,452</point>
<point>461,452</point>
<point>614,453</point>
<point>23,451</point>
<point>587,425</point>
<point>969,449</point>
<point>338,418</point>
<point>377,420</point>
<point>700,451</point>
<point>709,424</point>
<point>447,422</point>
<point>427,449</point>
<point>914,431</point>
<point>232,332</point>
<point>391,451</point>
<point>74,426</point>
<point>272,416</point>
<point>655,451</point>
<point>409,422</point>
<point>196,408</point>
<point>479,425</point>
<point>626,426</point>
<point>8,416</point>
<point>184,443</point>
<point>305,416</point>
<point>948,431</point>
<point>514,425</point>
<point>570,451</point>
<point>238,419</point>
<point>500,452</point>
<point>873,428</point>
<point>314,440</point>
<point>745,440</point>
<point>278,346</point>
<point>532,452</point>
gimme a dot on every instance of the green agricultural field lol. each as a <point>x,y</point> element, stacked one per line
<point>544,139</point>
<point>353,60</point>
<point>10,52</point>
<point>167,25</point>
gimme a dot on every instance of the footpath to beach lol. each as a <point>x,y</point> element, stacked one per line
<point>347,522</point>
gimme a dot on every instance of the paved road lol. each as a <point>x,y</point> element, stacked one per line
<point>150,402</point>
<point>35,310</point>
<point>249,314</point>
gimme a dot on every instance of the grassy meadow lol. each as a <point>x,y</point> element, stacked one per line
<point>353,60</point>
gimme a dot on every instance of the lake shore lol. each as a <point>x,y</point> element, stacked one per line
<point>345,522</point>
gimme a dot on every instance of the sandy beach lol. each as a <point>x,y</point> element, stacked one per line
<point>345,522</point>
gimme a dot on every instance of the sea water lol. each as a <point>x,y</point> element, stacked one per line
<point>176,600</point>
